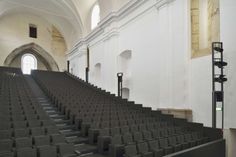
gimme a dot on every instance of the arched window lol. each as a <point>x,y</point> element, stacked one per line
<point>28,63</point>
<point>95,18</point>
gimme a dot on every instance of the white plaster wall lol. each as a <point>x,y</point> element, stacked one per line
<point>14,30</point>
<point>200,69</point>
<point>158,41</point>
<point>228,33</point>
<point>163,75</point>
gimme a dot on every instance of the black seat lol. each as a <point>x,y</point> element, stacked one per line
<point>164,144</point>
<point>175,144</point>
<point>144,150</point>
<point>116,148</point>
<point>131,151</point>
<point>41,140</point>
<point>128,139</point>
<point>26,152</point>
<point>6,145</point>
<point>23,142</point>
<point>66,150</point>
<point>155,148</point>
<point>47,151</point>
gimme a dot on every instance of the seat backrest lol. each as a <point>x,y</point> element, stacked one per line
<point>116,140</point>
<point>180,139</point>
<point>20,124</point>
<point>104,132</point>
<point>142,127</point>
<point>163,142</point>
<point>134,128</point>
<point>115,131</point>
<point>18,133</point>
<point>6,145</point>
<point>41,140</point>
<point>34,123</point>
<point>147,135</point>
<point>52,130</point>
<point>150,126</point>
<point>26,152</point>
<point>187,137</point>
<point>37,131</point>
<point>124,129</point>
<point>172,140</point>
<point>143,147</point>
<point>66,149</point>
<point>23,142</point>
<point>5,134</point>
<point>131,150</point>
<point>5,126</point>
<point>123,122</point>
<point>128,138</point>
<point>138,136</point>
<point>153,144</point>
<point>48,123</point>
<point>47,151</point>
<point>58,138</point>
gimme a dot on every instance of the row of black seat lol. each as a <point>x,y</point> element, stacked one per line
<point>102,116</point>
<point>26,130</point>
<point>62,149</point>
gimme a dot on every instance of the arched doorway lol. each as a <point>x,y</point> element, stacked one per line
<point>28,63</point>
<point>44,60</point>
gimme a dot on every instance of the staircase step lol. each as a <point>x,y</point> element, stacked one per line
<point>77,140</point>
<point>65,127</point>
<point>85,148</point>
<point>57,116</point>
<point>60,121</point>
<point>71,133</point>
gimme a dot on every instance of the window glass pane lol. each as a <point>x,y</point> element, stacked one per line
<point>95,16</point>
<point>29,63</point>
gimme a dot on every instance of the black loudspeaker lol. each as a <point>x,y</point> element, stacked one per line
<point>219,96</point>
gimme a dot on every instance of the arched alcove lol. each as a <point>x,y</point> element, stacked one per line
<point>124,66</point>
<point>97,74</point>
<point>28,63</point>
<point>44,58</point>
<point>125,93</point>
<point>124,60</point>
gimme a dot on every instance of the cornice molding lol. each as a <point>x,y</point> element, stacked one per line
<point>126,10</point>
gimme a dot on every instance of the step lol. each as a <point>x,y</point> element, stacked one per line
<point>60,121</point>
<point>70,133</point>
<point>57,116</point>
<point>65,127</point>
<point>86,148</point>
<point>93,155</point>
<point>77,140</point>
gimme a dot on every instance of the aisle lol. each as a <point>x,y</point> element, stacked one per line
<point>72,135</point>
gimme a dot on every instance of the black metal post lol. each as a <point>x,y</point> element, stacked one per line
<point>87,74</point>
<point>120,84</point>
<point>217,77</point>
<point>68,66</point>
<point>213,89</point>
<point>222,85</point>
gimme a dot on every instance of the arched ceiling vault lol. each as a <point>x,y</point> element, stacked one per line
<point>71,17</point>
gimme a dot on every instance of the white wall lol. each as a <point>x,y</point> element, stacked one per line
<point>14,30</point>
<point>163,75</point>
<point>228,34</point>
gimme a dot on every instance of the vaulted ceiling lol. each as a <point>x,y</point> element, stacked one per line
<point>69,16</point>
